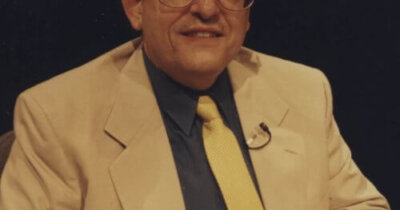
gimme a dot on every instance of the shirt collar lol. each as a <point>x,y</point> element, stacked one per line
<point>180,102</point>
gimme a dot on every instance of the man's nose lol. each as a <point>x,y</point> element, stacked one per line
<point>205,9</point>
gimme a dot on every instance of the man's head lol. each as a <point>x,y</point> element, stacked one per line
<point>191,44</point>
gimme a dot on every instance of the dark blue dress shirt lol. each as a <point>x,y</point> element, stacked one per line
<point>184,129</point>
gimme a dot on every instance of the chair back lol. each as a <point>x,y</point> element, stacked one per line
<point>6,141</point>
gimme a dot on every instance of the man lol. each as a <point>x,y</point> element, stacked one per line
<point>130,130</point>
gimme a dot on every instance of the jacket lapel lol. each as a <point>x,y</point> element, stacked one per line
<point>144,174</point>
<point>280,165</point>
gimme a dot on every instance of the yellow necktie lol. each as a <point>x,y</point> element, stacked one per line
<point>226,160</point>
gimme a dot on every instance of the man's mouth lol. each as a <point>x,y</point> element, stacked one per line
<point>202,34</point>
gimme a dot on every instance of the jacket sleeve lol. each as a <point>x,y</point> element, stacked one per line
<point>349,189</point>
<point>37,175</point>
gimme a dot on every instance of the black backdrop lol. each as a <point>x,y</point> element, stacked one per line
<point>356,44</point>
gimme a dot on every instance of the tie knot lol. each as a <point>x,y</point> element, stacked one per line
<point>207,109</point>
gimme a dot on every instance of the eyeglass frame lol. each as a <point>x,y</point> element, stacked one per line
<point>219,2</point>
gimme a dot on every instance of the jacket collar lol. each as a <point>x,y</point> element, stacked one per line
<point>279,165</point>
<point>144,174</point>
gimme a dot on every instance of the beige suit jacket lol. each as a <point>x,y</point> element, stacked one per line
<point>93,139</point>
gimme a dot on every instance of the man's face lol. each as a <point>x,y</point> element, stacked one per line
<point>195,41</point>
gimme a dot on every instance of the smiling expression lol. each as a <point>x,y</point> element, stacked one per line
<point>192,44</point>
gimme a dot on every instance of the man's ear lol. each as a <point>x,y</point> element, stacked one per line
<point>248,26</point>
<point>134,11</point>
<point>248,21</point>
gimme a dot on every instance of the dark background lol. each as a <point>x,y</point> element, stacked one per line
<point>356,44</point>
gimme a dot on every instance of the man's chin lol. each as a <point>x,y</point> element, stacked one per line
<point>205,66</point>
<point>206,58</point>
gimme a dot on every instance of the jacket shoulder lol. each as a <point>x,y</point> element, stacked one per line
<point>83,88</point>
<point>100,68</point>
<point>306,89</point>
<point>289,70</point>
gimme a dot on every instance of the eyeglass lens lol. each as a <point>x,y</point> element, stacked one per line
<point>228,4</point>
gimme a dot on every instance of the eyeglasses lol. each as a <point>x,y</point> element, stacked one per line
<point>233,5</point>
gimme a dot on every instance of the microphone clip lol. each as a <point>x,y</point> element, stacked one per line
<point>260,137</point>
